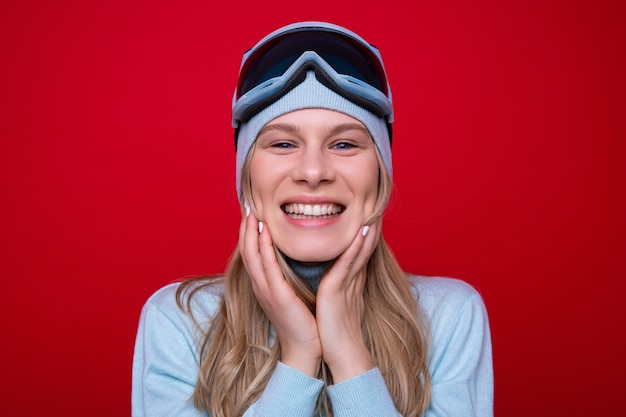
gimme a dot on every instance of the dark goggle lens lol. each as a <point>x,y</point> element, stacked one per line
<point>344,55</point>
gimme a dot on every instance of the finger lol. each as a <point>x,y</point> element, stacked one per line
<point>362,247</point>
<point>271,269</point>
<point>372,237</point>
<point>245,213</point>
<point>355,258</point>
<point>249,249</point>
<point>242,231</point>
<point>267,254</point>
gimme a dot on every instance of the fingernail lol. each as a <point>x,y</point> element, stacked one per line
<point>260,227</point>
<point>247,207</point>
<point>365,230</point>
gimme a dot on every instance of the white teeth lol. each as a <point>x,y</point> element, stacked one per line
<point>312,209</point>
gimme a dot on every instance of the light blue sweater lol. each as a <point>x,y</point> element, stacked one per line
<point>165,365</point>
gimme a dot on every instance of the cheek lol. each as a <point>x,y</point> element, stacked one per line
<point>258,196</point>
<point>263,185</point>
<point>365,189</point>
<point>369,187</point>
<point>257,184</point>
<point>371,198</point>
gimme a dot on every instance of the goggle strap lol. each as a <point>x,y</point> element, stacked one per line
<point>289,85</point>
<point>298,76</point>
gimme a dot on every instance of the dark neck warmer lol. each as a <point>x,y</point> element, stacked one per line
<point>310,272</point>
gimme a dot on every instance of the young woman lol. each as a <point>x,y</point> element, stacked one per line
<point>314,316</point>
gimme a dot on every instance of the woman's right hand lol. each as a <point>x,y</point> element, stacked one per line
<point>295,325</point>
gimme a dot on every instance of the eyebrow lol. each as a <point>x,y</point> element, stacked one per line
<point>349,126</point>
<point>283,127</point>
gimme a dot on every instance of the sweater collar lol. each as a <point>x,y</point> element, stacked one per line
<point>310,272</point>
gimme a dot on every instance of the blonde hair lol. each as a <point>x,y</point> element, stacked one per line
<point>237,355</point>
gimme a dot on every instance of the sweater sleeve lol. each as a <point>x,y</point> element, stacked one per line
<point>165,366</point>
<point>361,396</point>
<point>461,361</point>
<point>289,393</point>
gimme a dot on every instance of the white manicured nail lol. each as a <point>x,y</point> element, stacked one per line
<point>247,207</point>
<point>260,227</point>
<point>365,230</point>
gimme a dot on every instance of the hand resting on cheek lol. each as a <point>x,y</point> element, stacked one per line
<point>334,334</point>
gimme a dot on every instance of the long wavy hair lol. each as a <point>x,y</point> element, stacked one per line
<point>238,352</point>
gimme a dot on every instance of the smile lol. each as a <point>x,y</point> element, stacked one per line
<point>312,211</point>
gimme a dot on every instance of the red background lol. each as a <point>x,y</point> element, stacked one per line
<point>117,176</point>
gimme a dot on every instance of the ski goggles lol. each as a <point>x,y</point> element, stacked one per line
<point>341,60</point>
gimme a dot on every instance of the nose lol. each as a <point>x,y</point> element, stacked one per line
<point>314,168</point>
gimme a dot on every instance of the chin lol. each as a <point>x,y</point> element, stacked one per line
<point>311,254</point>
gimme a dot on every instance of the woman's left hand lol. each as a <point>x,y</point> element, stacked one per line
<point>340,307</point>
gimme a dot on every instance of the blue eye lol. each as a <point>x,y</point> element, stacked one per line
<point>343,145</point>
<point>282,145</point>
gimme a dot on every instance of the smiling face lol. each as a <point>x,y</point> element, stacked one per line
<point>314,179</point>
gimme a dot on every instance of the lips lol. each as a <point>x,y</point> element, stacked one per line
<point>312,211</point>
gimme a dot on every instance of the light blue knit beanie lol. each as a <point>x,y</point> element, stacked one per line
<point>311,94</point>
